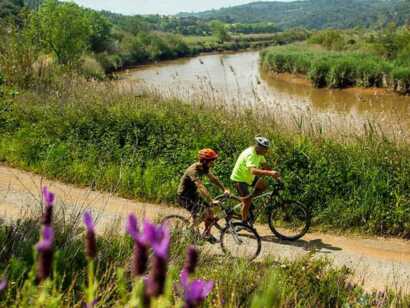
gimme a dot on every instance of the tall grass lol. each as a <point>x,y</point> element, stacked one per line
<point>337,69</point>
<point>93,134</point>
<point>307,282</point>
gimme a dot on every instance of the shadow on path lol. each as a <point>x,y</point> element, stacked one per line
<point>313,245</point>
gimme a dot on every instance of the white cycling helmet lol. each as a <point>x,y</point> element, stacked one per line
<point>262,141</point>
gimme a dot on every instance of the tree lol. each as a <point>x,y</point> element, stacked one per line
<point>219,31</point>
<point>10,8</point>
<point>101,27</point>
<point>63,29</point>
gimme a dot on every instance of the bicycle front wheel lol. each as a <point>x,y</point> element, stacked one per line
<point>178,225</point>
<point>289,220</point>
<point>240,240</point>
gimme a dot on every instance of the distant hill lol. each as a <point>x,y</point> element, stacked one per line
<point>314,14</point>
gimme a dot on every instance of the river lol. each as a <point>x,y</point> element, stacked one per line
<point>235,80</point>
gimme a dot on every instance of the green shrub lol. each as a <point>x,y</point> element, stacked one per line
<point>370,72</point>
<point>341,73</point>
<point>318,73</point>
<point>91,68</point>
<point>337,69</point>
<point>401,77</point>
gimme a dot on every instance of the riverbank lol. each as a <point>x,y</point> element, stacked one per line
<point>94,135</point>
<point>334,69</point>
<point>303,80</point>
<point>177,47</point>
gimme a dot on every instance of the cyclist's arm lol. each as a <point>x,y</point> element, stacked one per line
<point>203,191</point>
<point>262,172</point>
<point>214,180</point>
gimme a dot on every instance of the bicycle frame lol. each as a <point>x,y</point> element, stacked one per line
<point>269,196</point>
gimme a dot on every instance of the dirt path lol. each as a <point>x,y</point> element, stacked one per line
<point>377,262</point>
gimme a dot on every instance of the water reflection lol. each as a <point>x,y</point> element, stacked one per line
<point>235,80</point>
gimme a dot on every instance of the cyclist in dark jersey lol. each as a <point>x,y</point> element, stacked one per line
<point>193,195</point>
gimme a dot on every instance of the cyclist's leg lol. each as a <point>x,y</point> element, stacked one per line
<point>246,198</point>
<point>259,186</point>
<point>200,212</point>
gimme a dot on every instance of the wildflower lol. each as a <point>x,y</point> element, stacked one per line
<point>158,237</point>
<point>45,249</point>
<point>196,291</point>
<point>140,249</point>
<point>191,260</point>
<point>48,200</point>
<point>92,304</point>
<point>3,285</point>
<point>90,244</point>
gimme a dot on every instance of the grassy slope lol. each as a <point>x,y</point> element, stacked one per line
<point>140,146</point>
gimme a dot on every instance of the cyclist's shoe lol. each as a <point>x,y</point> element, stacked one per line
<point>210,238</point>
<point>249,223</point>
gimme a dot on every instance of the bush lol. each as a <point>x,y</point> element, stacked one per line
<point>369,72</point>
<point>342,73</point>
<point>90,68</point>
<point>401,77</point>
<point>318,73</point>
<point>330,39</point>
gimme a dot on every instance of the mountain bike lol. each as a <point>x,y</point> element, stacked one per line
<point>236,238</point>
<point>287,219</point>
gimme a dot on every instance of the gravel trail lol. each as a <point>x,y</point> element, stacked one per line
<point>378,262</point>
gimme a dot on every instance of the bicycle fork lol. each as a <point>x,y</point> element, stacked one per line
<point>235,235</point>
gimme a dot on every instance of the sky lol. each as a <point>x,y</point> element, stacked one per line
<point>165,7</point>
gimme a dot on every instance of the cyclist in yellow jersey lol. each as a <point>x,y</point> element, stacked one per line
<point>249,167</point>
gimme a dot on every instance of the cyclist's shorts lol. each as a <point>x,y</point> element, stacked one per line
<point>194,206</point>
<point>243,188</point>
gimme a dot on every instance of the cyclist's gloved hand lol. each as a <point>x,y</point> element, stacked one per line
<point>227,192</point>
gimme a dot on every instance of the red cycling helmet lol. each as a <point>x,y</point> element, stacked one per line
<point>207,154</point>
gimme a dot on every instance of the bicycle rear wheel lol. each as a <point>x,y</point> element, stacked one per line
<point>240,240</point>
<point>289,220</point>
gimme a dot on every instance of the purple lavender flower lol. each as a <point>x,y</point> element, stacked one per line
<point>191,259</point>
<point>140,249</point>
<point>48,199</point>
<point>45,249</point>
<point>88,221</point>
<point>46,242</point>
<point>196,291</point>
<point>155,282</point>
<point>159,238</point>
<point>92,304</point>
<point>3,284</point>
<point>90,243</point>
<point>132,227</point>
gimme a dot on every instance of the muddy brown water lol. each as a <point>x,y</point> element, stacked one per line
<point>236,80</point>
